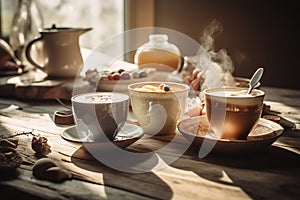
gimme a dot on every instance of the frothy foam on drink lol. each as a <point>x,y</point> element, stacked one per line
<point>232,112</point>
<point>235,93</point>
<point>100,98</point>
<point>235,96</point>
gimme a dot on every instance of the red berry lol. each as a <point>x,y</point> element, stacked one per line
<point>161,86</point>
<point>125,76</point>
<point>116,76</point>
<point>110,77</point>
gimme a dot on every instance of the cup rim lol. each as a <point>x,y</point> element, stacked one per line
<point>185,86</point>
<point>126,97</point>
<point>209,91</point>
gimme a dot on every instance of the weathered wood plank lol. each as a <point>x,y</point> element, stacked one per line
<point>72,189</point>
<point>270,175</point>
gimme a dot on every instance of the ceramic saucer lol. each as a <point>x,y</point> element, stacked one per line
<point>129,134</point>
<point>197,131</point>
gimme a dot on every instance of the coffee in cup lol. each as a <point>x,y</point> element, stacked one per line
<point>232,112</point>
<point>99,116</point>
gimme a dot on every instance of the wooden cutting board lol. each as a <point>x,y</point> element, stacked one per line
<point>34,85</point>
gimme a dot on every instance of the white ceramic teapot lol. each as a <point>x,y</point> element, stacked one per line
<point>59,52</point>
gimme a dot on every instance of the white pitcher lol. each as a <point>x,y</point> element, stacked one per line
<point>59,52</point>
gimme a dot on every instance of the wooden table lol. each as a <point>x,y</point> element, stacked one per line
<point>274,174</point>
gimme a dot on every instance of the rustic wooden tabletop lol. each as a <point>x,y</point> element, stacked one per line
<point>271,174</point>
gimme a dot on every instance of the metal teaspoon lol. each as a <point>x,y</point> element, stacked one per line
<point>255,79</point>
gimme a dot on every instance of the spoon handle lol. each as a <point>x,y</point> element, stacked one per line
<point>255,79</point>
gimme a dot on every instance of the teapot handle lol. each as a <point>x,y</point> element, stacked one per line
<point>28,53</point>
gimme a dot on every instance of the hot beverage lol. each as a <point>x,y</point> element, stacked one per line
<point>232,112</point>
<point>158,106</point>
<point>100,114</point>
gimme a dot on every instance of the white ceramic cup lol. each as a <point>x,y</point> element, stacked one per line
<point>99,116</point>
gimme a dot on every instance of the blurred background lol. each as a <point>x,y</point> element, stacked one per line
<point>257,33</point>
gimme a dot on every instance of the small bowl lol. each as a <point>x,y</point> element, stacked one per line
<point>121,85</point>
<point>118,85</point>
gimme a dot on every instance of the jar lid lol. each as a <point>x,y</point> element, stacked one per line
<point>158,37</point>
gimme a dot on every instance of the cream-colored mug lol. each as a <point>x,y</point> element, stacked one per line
<point>57,51</point>
<point>158,112</point>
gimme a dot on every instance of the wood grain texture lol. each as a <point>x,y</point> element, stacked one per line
<point>273,174</point>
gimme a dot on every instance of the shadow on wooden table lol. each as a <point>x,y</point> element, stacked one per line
<point>144,184</point>
<point>271,159</point>
<point>9,175</point>
<point>260,176</point>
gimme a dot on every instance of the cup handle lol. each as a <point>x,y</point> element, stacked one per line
<point>157,116</point>
<point>28,53</point>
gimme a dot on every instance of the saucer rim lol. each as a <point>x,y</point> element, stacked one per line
<point>273,135</point>
<point>227,147</point>
<point>138,135</point>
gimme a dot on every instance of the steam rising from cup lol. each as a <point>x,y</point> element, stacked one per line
<point>218,66</point>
